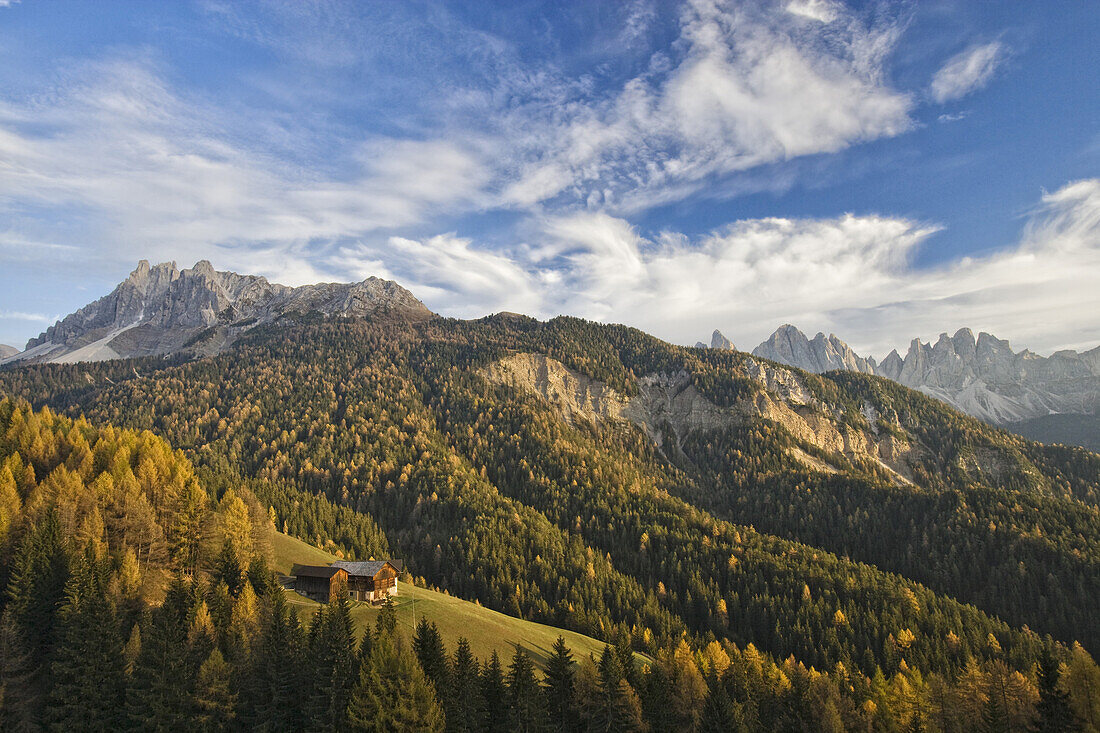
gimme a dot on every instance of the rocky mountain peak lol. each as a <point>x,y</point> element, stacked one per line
<point>979,375</point>
<point>719,341</point>
<point>824,353</point>
<point>160,309</point>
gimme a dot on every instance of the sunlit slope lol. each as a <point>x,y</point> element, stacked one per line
<point>486,630</point>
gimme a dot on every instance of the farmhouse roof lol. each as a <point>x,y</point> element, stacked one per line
<point>315,571</point>
<point>367,568</point>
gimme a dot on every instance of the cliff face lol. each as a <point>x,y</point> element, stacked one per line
<point>669,407</point>
<point>160,309</point>
<point>980,375</point>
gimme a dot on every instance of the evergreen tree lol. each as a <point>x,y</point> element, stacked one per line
<point>362,656</point>
<point>624,653</point>
<point>333,665</point>
<point>657,700</point>
<point>18,692</point>
<point>494,695</point>
<point>526,705</point>
<point>88,690</point>
<point>274,684</point>
<point>215,700</point>
<point>227,568</point>
<point>463,701</point>
<point>261,577</point>
<point>36,589</point>
<point>1054,712</point>
<point>612,705</point>
<point>393,694</point>
<point>387,619</point>
<point>159,696</point>
<point>720,713</point>
<point>995,716</point>
<point>559,687</point>
<point>430,652</point>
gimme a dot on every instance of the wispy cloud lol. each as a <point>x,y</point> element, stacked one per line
<point>22,316</point>
<point>747,87</point>
<point>967,71</point>
<point>157,177</point>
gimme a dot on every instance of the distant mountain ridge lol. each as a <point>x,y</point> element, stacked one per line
<point>6,351</point>
<point>981,376</point>
<point>160,309</point>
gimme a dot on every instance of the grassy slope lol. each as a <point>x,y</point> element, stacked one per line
<point>486,630</point>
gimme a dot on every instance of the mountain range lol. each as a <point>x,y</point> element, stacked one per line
<point>161,309</point>
<point>982,376</point>
<point>200,311</point>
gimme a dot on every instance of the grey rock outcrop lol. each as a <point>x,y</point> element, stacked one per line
<point>790,346</point>
<point>717,341</point>
<point>668,407</point>
<point>159,309</point>
<point>980,375</point>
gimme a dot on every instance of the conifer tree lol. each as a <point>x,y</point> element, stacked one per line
<point>227,568</point>
<point>430,652</point>
<point>159,696</point>
<point>393,694</point>
<point>494,695</point>
<point>526,705</point>
<point>215,700</point>
<point>611,704</point>
<point>9,500</point>
<point>1054,713</point>
<point>387,619</point>
<point>260,576</point>
<point>720,714</point>
<point>88,689</point>
<point>332,663</point>
<point>277,663</point>
<point>463,701</point>
<point>18,692</point>
<point>656,700</point>
<point>559,687</point>
<point>37,585</point>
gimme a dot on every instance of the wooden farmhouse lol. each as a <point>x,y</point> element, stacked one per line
<point>370,580</point>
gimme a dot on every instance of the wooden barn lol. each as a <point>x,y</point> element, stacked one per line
<point>370,580</point>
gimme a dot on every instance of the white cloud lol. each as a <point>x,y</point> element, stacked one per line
<point>966,72</point>
<point>164,177</point>
<point>852,275</point>
<point>822,11</point>
<point>447,272</point>
<point>748,87</point>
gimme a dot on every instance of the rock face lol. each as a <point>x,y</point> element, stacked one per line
<point>668,407</point>
<point>981,376</point>
<point>6,351</point>
<point>717,341</point>
<point>161,309</point>
<point>790,346</point>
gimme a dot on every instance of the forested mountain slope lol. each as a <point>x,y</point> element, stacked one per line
<point>608,529</point>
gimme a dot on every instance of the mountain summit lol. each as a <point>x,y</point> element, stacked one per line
<point>980,375</point>
<point>160,309</point>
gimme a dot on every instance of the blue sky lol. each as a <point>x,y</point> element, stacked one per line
<point>877,170</point>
